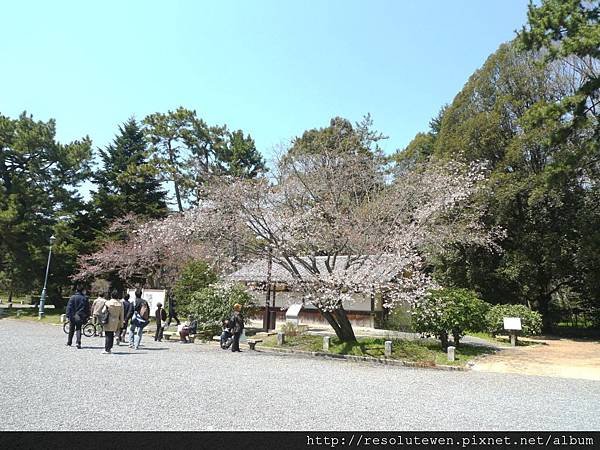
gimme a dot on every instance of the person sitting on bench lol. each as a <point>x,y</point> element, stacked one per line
<point>186,329</point>
<point>226,335</point>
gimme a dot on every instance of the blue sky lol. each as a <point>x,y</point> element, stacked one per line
<point>271,68</point>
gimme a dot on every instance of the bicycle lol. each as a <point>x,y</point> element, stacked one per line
<point>88,330</point>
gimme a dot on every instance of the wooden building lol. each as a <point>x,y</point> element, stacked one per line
<point>365,310</point>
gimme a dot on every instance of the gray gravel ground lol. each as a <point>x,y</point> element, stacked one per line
<point>48,386</point>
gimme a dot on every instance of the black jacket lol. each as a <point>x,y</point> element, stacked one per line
<point>138,304</point>
<point>160,315</point>
<point>79,306</point>
<point>127,310</point>
<point>236,323</point>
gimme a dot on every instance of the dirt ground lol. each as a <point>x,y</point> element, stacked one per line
<point>564,358</point>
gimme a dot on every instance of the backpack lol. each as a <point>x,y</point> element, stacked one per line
<point>145,311</point>
<point>163,315</point>
<point>104,315</point>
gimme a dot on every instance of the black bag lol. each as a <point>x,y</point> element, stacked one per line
<point>104,315</point>
<point>163,315</point>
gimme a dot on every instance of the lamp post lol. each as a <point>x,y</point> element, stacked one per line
<point>43,296</point>
<point>266,321</point>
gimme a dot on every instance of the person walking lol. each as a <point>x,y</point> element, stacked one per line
<point>237,326</point>
<point>114,308</point>
<point>97,307</point>
<point>160,316</point>
<point>78,312</point>
<point>172,312</point>
<point>128,313</point>
<point>141,318</point>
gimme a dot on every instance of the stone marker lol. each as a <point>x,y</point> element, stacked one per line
<point>280,338</point>
<point>63,318</point>
<point>292,313</point>
<point>388,348</point>
<point>326,341</point>
<point>451,353</point>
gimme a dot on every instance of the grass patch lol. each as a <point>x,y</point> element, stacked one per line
<point>50,315</point>
<point>426,353</point>
<point>503,341</point>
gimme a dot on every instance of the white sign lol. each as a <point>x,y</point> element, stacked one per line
<point>152,296</point>
<point>292,313</point>
<point>512,323</point>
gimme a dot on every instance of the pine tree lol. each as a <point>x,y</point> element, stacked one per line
<point>127,183</point>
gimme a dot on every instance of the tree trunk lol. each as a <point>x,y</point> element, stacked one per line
<point>444,340</point>
<point>175,174</point>
<point>544,309</point>
<point>338,320</point>
<point>456,336</point>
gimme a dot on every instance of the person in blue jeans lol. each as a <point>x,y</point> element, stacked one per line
<point>141,318</point>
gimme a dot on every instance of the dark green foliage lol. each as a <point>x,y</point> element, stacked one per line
<point>212,305</point>
<point>541,190</point>
<point>189,152</point>
<point>531,321</point>
<point>196,276</point>
<point>568,29</point>
<point>339,137</point>
<point>239,157</point>
<point>399,319</point>
<point>449,311</point>
<point>127,182</point>
<point>38,198</point>
<point>421,148</point>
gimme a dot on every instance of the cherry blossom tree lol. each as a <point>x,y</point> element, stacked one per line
<point>150,253</point>
<point>323,206</point>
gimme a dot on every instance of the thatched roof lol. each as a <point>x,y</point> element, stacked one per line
<point>366,270</point>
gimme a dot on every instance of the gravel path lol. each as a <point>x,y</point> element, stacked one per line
<point>48,386</point>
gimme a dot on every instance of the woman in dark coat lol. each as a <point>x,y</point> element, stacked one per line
<point>237,327</point>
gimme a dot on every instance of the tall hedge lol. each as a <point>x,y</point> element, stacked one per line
<point>531,321</point>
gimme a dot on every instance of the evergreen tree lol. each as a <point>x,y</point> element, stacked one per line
<point>38,198</point>
<point>127,182</point>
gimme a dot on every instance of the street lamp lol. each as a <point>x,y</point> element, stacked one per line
<point>43,297</point>
<point>266,317</point>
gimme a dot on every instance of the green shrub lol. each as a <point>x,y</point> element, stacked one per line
<point>450,310</point>
<point>531,321</point>
<point>399,319</point>
<point>195,276</point>
<point>213,304</point>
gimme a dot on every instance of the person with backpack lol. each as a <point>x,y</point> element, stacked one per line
<point>141,318</point>
<point>160,316</point>
<point>236,323</point>
<point>111,317</point>
<point>78,312</point>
